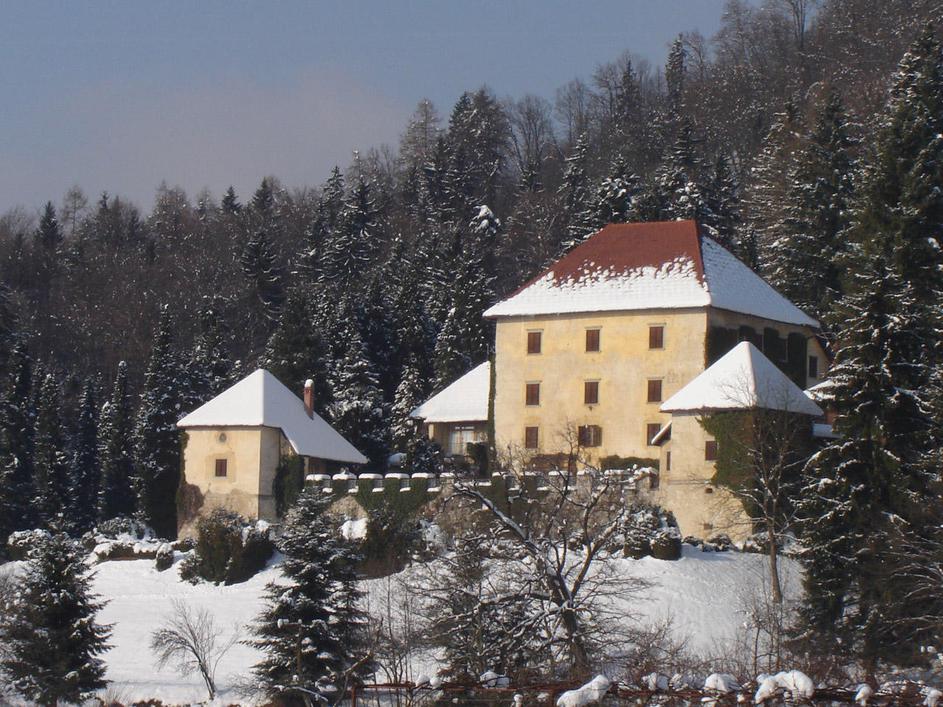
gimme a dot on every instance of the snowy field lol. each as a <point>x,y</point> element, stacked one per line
<point>702,594</point>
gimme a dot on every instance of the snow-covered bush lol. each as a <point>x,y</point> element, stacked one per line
<point>164,558</point>
<point>20,542</point>
<point>647,524</point>
<point>229,549</point>
<point>393,537</point>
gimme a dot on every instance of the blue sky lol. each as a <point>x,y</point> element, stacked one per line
<point>119,96</point>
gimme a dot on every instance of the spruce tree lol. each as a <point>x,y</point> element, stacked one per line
<point>722,214</point>
<point>679,187</point>
<point>803,261</point>
<point>230,203</point>
<point>352,244</point>
<point>297,350</point>
<point>309,629</point>
<point>85,466</point>
<point>263,201</point>
<point>116,495</point>
<point>579,221</point>
<point>616,195</point>
<point>17,485</point>
<point>357,410</point>
<point>410,393</point>
<point>51,464</point>
<point>157,440</point>
<point>49,234</point>
<point>878,481</point>
<point>209,368</point>
<point>51,639</point>
<point>259,262</point>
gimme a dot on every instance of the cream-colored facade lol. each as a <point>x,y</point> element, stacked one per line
<point>626,412</point>
<point>622,367</point>
<point>251,454</point>
<point>685,484</point>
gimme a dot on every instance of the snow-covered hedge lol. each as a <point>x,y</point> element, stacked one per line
<point>229,549</point>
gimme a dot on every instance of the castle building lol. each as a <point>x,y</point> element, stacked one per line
<point>233,446</point>
<point>588,352</point>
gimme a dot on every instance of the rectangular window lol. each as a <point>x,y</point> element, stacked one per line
<point>533,342</point>
<point>590,435</point>
<point>591,392</point>
<point>813,367</point>
<point>532,393</point>
<point>668,460</point>
<point>592,339</point>
<point>710,451</point>
<point>656,337</point>
<point>530,437</point>
<point>221,469</point>
<point>654,390</point>
<point>651,429</point>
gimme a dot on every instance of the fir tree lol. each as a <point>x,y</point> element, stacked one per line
<point>577,198</point>
<point>49,234</point>
<point>263,201</point>
<point>84,467</point>
<point>349,251</point>
<point>157,442</point>
<point>297,350</point>
<point>309,629</point>
<point>230,203</point>
<point>410,393</point>
<point>116,495</point>
<point>260,265</point>
<point>803,261</point>
<point>17,488</point>
<point>722,213</point>
<point>51,465</point>
<point>209,369</point>
<point>877,482</point>
<point>357,410</point>
<point>51,640</point>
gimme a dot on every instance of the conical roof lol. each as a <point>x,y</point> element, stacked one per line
<point>260,400</point>
<point>742,379</point>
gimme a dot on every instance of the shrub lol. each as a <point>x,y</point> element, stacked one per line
<point>613,461</point>
<point>288,483</point>
<point>392,538</point>
<point>229,549</point>
<point>647,525</point>
<point>164,558</point>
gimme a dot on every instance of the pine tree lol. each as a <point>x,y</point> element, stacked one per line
<point>678,185</point>
<point>878,481</point>
<point>51,640</point>
<point>17,487</point>
<point>85,467</point>
<point>803,261</point>
<point>357,410</point>
<point>157,441</point>
<point>308,629</point>
<point>116,496</point>
<point>8,331</point>
<point>615,197</point>
<point>260,265</point>
<point>51,464</point>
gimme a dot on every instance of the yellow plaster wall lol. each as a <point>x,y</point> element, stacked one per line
<point>622,366</point>
<point>701,508</point>
<point>252,455</point>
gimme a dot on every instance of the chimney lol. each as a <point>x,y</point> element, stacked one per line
<point>309,397</point>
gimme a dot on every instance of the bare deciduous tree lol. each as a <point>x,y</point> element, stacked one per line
<point>190,639</point>
<point>559,526</point>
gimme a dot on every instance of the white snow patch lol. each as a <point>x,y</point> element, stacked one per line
<point>589,694</point>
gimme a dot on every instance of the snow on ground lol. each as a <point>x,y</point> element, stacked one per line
<point>702,593</point>
<point>139,598</point>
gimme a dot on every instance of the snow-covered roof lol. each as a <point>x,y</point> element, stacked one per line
<point>260,400</point>
<point>655,265</point>
<point>742,379</point>
<point>465,400</point>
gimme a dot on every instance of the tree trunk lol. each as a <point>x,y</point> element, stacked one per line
<point>775,586</point>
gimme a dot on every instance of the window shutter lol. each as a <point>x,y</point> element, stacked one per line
<point>532,393</point>
<point>654,391</point>
<point>592,339</point>
<point>533,342</point>
<point>656,337</point>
